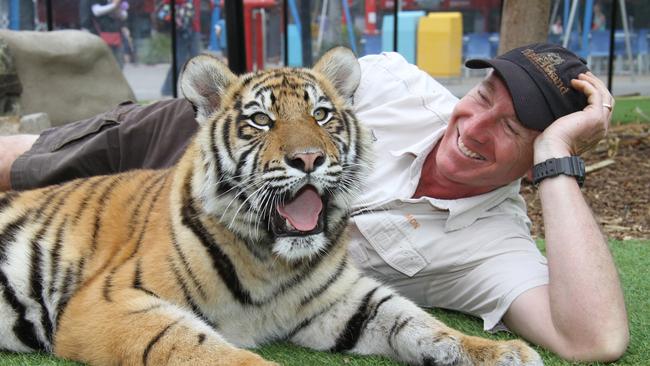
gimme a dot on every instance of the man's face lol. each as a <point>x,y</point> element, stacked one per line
<point>485,146</point>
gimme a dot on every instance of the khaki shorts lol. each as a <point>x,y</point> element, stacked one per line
<point>127,137</point>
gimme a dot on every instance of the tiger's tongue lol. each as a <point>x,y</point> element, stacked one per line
<point>302,212</point>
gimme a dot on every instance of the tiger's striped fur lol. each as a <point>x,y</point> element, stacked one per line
<point>192,264</point>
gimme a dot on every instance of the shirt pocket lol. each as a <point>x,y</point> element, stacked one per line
<point>385,234</point>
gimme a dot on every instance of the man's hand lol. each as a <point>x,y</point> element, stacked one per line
<point>578,132</point>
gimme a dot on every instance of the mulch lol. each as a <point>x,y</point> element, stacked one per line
<point>619,193</point>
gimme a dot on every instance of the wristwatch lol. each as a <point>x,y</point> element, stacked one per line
<point>572,166</point>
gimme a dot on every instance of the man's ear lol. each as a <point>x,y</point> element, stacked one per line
<point>204,81</point>
<point>341,67</point>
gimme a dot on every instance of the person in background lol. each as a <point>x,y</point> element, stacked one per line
<point>128,47</point>
<point>188,34</point>
<point>555,31</point>
<point>557,28</point>
<point>217,40</point>
<point>599,22</point>
<point>105,18</point>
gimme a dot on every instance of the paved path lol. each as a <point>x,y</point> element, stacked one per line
<point>146,80</point>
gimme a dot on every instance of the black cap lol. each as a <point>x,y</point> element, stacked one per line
<point>538,77</point>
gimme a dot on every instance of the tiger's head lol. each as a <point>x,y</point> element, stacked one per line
<point>283,154</point>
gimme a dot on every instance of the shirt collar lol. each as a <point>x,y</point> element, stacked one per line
<point>422,147</point>
<point>463,212</point>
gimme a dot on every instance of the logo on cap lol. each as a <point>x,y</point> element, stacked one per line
<point>547,63</point>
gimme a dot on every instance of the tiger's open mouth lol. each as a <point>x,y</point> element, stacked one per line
<point>303,214</point>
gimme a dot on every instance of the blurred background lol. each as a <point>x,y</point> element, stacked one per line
<point>437,35</point>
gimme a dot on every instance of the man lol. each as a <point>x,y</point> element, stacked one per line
<point>441,220</point>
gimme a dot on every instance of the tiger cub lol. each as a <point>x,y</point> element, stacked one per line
<point>241,243</point>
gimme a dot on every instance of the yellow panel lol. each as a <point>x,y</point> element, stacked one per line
<point>440,44</point>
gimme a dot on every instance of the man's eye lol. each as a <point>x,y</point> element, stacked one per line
<point>512,129</point>
<point>321,114</point>
<point>482,97</point>
<point>261,119</point>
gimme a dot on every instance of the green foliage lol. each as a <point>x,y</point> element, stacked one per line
<point>156,50</point>
<point>631,256</point>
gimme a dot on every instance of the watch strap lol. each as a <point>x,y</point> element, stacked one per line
<point>572,166</point>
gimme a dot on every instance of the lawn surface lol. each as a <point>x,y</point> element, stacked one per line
<point>632,258</point>
<point>631,110</point>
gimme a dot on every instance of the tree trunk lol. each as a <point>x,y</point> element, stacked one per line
<point>523,22</point>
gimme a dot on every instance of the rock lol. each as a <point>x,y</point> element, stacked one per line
<point>34,123</point>
<point>9,125</point>
<point>68,74</point>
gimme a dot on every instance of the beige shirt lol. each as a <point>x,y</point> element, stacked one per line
<point>472,254</point>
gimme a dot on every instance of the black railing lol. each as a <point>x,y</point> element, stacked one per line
<point>612,34</point>
<point>49,14</point>
<point>234,15</point>
<point>174,65</point>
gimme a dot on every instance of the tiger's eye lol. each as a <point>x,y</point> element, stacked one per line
<point>320,114</point>
<point>261,119</point>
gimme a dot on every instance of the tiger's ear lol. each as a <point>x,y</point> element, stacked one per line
<point>341,67</point>
<point>204,81</point>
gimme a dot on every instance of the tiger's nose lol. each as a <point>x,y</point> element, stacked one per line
<point>306,162</point>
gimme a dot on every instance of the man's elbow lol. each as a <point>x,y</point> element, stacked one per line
<point>605,347</point>
<point>610,349</point>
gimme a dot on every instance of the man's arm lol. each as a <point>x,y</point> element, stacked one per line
<point>101,10</point>
<point>580,314</point>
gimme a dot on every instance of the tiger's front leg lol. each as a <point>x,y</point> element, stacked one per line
<point>373,319</point>
<point>135,328</point>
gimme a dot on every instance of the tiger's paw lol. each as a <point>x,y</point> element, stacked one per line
<point>440,350</point>
<point>518,353</point>
<point>501,353</point>
<point>443,351</point>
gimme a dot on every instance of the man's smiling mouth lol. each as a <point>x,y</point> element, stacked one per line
<point>467,152</point>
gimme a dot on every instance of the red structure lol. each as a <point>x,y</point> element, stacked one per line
<point>254,28</point>
<point>65,13</point>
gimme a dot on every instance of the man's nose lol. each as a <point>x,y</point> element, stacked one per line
<point>478,128</point>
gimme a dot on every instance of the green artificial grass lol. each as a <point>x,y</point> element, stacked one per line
<point>632,258</point>
<point>631,110</point>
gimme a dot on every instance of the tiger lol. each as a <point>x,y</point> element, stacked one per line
<point>241,243</point>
